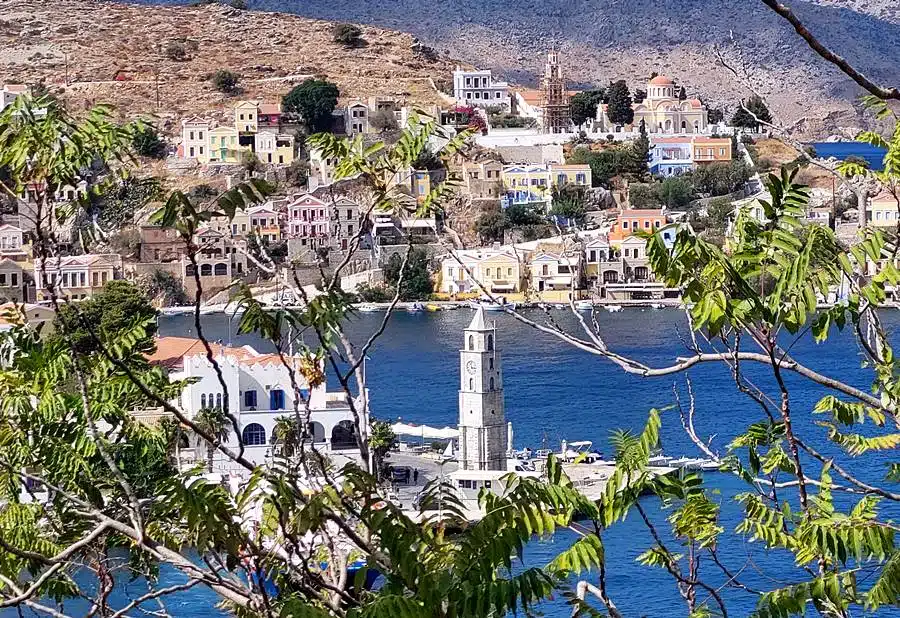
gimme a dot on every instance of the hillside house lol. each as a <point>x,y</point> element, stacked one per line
<point>479,88</point>
<point>261,394</point>
<point>76,277</point>
<point>500,270</point>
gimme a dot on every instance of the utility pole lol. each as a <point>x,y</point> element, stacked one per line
<point>156,74</point>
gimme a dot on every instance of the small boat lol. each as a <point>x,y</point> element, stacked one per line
<point>613,308</point>
<point>499,307</point>
<point>432,308</point>
<point>176,310</point>
<point>415,308</point>
<point>451,306</point>
<point>584,305</point>
<point>367,308</point>
<point>657,306</point>
<point>659,460</point>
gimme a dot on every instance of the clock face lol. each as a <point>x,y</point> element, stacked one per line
<point>470,367</point>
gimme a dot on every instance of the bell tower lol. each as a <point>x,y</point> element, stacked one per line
<point>482,420</point>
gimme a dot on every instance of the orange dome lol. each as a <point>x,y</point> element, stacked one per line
<point>661,80</point>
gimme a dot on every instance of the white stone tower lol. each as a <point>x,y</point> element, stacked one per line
<point>482,421</point>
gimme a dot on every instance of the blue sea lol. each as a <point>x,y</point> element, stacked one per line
<point>554,391</point>
<point>841,150</point>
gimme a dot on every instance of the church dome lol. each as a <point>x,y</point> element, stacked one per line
<point>661,80</point>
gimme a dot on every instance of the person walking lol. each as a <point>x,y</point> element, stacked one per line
<point>416,476</point>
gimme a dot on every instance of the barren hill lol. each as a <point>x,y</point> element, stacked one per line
<point>609,39</point>
<point>117,52</point>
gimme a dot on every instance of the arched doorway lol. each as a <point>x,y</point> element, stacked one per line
<point>221,269</point>
<point>205,270</point>
<point>668,126</point>
<point>316,432</point>
<point>610,276</point>
<point>641,273</point>
<point>342,436</point>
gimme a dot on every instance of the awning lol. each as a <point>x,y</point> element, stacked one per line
<point>502,286</point>
<point>424,431</point>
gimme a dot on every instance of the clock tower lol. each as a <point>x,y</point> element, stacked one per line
<point>482,421</point>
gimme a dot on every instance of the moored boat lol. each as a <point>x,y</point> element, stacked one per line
<point>613,308</point>
<point>367,308</point>
<point>584,305</point>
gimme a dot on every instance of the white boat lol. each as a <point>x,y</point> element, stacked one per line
<point>659,460</point>
<point>415,308</point>
<point>498,303</point>
<point>176,310</point>
<point>584,305</point>
<point>367,308</point>
<point>657,306</point>
<point>613,308</point>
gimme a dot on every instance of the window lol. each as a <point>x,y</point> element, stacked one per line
<point>221,269</point>
<point>592,256</point>
<point>276,399</point>
<point>656,224</point>
<point>191,135</point>
<point>490,363</point>
<point>203,400</point>
<point>491,387</point>
<point>14,279</point>
<point>3,279</point>
<point>545,270</point>
<point>498,95</point>
<point>471,342</point>
<point>625,225</point>
<point>490,342</point>
<point>487,272</point>
<point>487,484</point>
<point>465,484</point>
<point>254,435</point>
<point>581,179</point>
<point>205,270</point>
<point>471,384</point>
<point>219,400</point>
<point>509,272</point>
<point>191,150</point>
<point>646,224</point>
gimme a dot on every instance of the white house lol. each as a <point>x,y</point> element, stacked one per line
<point>479,88</point>
<point>9,93</point>
<point>195,138</point>
<point>12,243</point>
<point>259,393</point>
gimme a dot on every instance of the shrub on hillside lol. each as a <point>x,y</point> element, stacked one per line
<point>176,50</point>
<point>147,143</point>
<point>225,81</point>
<point>347,35</point>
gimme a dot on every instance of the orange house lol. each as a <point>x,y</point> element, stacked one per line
<point>711,150</point>
<point>632,221</point>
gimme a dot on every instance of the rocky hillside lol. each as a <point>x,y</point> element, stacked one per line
<point>115,52</point>
<point>609,39</point>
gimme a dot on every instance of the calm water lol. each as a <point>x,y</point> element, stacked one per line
<point>842,150</point>
<point>554,391</point>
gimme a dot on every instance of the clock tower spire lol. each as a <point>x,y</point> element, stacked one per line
<point>482,420</point>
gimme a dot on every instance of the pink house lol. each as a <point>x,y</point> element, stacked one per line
<point>309,220</point>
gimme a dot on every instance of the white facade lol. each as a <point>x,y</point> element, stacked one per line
<point>482,420</point>
<point>195,138</point>
<point>259,393</point>
<point>9,93</point>
<point>479,88</point>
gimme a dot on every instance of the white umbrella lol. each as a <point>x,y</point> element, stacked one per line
<point>424,431</point>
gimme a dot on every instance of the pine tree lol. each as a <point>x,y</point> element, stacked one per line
<point>744,115</point>
<point>619,109</point>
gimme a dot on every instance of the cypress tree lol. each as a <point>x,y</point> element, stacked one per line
<point>619,109</point>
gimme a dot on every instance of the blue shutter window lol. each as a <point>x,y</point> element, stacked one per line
<point>250,399</point>
<point>276,399</point>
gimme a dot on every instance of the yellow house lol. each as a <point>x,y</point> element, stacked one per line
<point>246,116</point>
<point>530,184</point>
<point>570,174</point>
<point>556,267</point>
<point>883,210</point>
<point>500,270</point>
<point>224,145</point>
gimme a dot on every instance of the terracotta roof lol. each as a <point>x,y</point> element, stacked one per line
<point>634,212</point>
<point>885,195</point>
<point>269,108</point>
<point>171,351</point>
<point>531,96</point>
<point>661,80</point>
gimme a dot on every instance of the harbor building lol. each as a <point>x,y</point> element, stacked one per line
<point>482,420</point>
<point>260,392</point>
